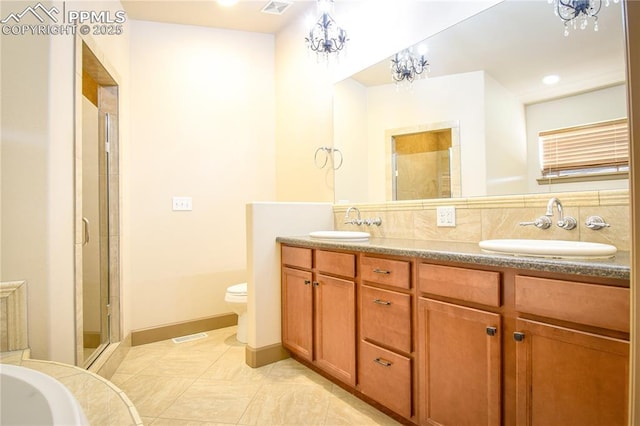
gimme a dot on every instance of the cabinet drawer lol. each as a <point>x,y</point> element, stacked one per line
<point>386,317</point>
<point>330,262</point>
<point>395,273</point>
<point>464,284</point>
<point>296,256</point>
<point>582,303</point>
<point>386,377</point>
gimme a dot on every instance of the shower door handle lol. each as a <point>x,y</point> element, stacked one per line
<point>85,235</point>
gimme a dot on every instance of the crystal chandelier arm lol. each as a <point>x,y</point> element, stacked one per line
<point>407,67</point>
<point>326,37</point>
<point>568,10</point>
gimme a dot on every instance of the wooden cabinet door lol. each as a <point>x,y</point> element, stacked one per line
<point>567,377</point>
<point>297,312</point>
<point>335,327</point>
<point>385,376</point>
<point>459,365</point>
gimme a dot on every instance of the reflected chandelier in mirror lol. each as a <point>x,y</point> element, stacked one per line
<point>576,13</point>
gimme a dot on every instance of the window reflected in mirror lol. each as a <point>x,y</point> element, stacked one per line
<point>590,152</point>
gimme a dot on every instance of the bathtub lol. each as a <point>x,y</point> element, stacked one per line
<point>30,397</point>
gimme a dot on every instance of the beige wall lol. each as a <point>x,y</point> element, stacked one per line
<point>350,137</point>
<point>303,121</point>
<point>25,170</point>
<point>266,222</point>
<point>505,142</point>
<point>203,114</point>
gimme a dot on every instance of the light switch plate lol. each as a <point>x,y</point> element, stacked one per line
<point>182,204</point>
<point>446,216</point>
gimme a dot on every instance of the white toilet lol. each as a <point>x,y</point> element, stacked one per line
<point>236,298</point>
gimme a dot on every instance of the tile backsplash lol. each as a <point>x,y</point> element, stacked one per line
<point>481,218</point>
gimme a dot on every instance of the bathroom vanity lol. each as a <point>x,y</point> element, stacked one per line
<point>438,333</point>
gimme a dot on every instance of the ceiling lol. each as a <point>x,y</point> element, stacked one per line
<point>244,16</point>
<point>517,42</point>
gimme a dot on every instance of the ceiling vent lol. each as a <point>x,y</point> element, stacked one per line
<point>276,7</point>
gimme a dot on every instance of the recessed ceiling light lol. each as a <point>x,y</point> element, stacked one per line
<point>551,79</point>
<point>227,3</point>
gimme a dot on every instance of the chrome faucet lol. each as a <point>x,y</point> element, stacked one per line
<point>563,222</point>
<point>358,220</point>
<point>347,216</point>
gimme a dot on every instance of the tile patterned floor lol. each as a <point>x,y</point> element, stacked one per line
<point>102,402</point>
<point>206,382</point>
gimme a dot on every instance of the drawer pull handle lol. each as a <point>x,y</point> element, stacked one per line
<point>383,362</point>
<point>382,302</point>
<point>492,331</point>
<point>518,337</point>
<point>382,271</point>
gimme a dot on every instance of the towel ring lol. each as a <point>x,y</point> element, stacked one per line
<point>326,156</point>
<point>333,158</point>
<point>328,150</point>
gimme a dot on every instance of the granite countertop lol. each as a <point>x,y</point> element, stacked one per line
<point>463,252</point>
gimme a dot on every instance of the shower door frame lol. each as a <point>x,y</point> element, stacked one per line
<point>107,79</point>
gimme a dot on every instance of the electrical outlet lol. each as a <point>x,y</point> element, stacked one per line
<point>182,204</point>
<point>446,216</point>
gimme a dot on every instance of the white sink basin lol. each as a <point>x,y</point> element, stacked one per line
<point>351,236</point>
<point>550,248</point>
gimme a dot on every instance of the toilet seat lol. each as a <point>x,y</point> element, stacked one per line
<point>238,289</point>
<point>236,298</point>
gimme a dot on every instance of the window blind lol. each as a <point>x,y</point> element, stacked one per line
<point>597,147</point>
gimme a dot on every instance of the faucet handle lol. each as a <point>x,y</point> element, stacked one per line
<point>567,223</point>
<point>543,222</point>
<point>596,222</point>
<point>375,221</point>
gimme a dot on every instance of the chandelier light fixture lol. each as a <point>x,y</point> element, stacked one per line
<point>576,13</point>
<point>406,66</point>
<point>326,37</point>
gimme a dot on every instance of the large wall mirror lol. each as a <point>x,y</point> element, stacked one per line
<point>486,75</point>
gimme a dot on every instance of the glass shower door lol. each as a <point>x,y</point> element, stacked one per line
<point>95,250</point>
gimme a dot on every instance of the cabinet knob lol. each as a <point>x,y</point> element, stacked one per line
<point>307,282</point>
<point>383,362</point>
<point>382,271</point>
<point>316,283</point>
<point>518,336</point>
<point>382,302</point>
<point>492,331</point>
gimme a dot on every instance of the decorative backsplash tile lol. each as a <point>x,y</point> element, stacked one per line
<point>481,218</point>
